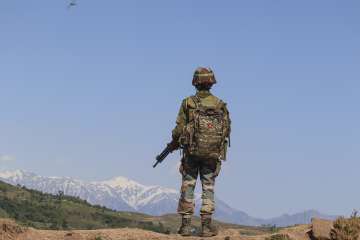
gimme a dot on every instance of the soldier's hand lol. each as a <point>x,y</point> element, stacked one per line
<point>173,145</point>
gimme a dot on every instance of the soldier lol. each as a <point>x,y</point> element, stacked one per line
<point>203,131</point>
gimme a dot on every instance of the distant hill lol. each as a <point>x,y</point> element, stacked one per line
<point>123,194</point>
<point>47,211</point>
<point>294,219</point>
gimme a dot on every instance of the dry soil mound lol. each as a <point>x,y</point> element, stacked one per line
<point>11,231</point>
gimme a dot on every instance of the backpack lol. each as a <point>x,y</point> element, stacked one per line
<point>205,135</point>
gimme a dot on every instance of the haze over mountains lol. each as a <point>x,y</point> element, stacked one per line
<point>124,194</point>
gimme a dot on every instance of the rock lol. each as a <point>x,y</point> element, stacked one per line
<point>72,236</point>
<point>321,228</point>
<point>279,236</point>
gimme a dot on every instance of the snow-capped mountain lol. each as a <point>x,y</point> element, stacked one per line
<point>124,194</point>
<point>118,193</point>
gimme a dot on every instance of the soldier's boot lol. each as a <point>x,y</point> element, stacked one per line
<point>185,229</point>
<point>208,229</point>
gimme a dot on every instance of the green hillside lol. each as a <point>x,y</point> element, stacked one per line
<point>45,211</point>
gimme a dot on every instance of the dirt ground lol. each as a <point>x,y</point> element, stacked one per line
<point>11,231</point>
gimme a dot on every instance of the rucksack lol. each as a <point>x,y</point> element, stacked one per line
<point>205,136</point>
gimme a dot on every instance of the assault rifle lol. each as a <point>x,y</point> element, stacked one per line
<point>170,147</point>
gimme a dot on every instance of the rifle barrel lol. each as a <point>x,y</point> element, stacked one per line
<point>157,162</point>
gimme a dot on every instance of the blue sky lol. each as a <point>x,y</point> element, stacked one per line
<point>93,92</point>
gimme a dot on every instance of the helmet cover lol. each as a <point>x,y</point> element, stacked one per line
<point>203,77</point>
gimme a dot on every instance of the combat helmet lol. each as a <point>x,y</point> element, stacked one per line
<point>203,77</point>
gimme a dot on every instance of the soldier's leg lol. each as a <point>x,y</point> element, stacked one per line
<point>189,170</point>
<point>209,170</point>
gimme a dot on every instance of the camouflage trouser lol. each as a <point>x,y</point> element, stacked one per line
<point>191,167</point>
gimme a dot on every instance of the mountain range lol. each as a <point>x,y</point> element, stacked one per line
<point>123,194</point>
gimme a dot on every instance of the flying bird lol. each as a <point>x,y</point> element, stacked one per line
<point>72,4</point>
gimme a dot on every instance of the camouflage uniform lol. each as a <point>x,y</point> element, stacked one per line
<point>191,167</point>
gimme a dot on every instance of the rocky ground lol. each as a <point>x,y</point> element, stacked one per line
<point>9,230</point>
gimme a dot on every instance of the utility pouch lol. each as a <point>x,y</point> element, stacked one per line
<point>218,168</point>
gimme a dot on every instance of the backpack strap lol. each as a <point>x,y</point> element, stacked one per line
<point>219,105</point>
<point>196,100</point>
